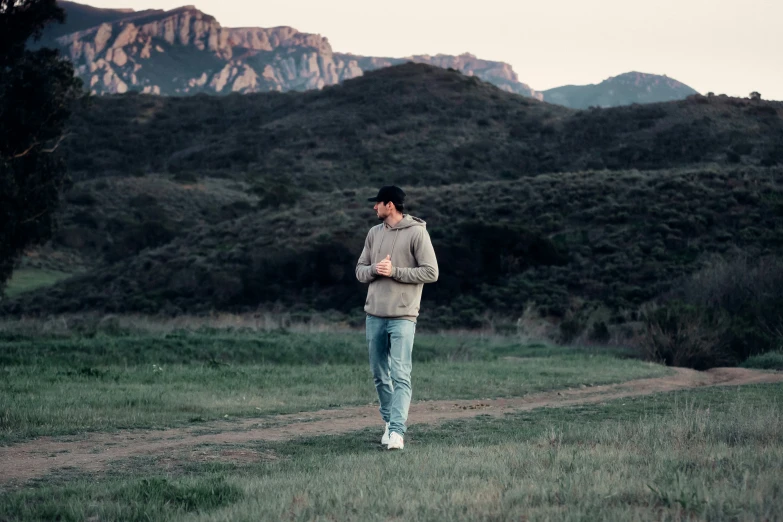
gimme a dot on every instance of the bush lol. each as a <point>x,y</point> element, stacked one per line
<point>570,328</point>
<point>680,334</point>
<point>725,313</point>
<point>751,293</point>
<point>599,332</point>
<point>766,361</point>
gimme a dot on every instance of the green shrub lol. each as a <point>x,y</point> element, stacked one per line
<point>599,332</point>
<point>681,334</point>
<point>750,292</point>
<point>722,314</point>
<point>766,361</point>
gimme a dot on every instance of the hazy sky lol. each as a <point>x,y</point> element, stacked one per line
<point>724,46</point>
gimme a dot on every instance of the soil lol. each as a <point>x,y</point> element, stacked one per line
<point>95,451</point>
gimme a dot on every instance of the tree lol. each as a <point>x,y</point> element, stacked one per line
<point>37,88</point>
<point>755,96</point>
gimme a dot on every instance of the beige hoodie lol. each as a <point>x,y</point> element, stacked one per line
<point>413,261</point>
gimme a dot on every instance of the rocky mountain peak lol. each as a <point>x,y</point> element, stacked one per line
<point>641,79</point>
<point>185,50</point>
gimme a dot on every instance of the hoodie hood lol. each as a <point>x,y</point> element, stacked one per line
<point>408,221</point>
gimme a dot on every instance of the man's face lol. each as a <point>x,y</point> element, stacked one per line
<point>382,209</point>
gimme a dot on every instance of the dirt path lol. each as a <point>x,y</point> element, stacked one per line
<point>36,458</point>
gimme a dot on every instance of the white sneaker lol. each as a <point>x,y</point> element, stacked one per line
<point>385,438</point>
<point>395,441</point>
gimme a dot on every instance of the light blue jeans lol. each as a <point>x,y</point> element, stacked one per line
<point>390,343</point>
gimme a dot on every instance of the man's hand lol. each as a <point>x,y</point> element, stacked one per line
<point>384,268</point>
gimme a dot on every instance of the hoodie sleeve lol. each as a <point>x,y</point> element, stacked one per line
<point>365,271</point>
<point>427,269</point>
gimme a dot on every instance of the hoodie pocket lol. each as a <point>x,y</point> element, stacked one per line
<point>405,300</point>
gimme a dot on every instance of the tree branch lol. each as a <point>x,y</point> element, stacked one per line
<point>54,147</point>
<point>33,218</point>
<point>31,147</point>
<point>48,151</point>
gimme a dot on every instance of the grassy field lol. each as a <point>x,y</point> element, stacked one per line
<point>60,386</point>
<point>712,454</point>
<point>708,454</point>
<point>26,279</point>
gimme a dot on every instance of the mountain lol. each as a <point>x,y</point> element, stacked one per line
<point>185,51</point>
<point>632,87</point>
<point>414,123</point>
<point>435,127</point>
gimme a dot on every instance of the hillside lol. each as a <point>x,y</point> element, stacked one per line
<point>624,89</point>
<point>565,242</point>
<point>230,203</point>
<point>499,74</point>
<point>106,220</point>
<point>416,121</point>
<point>416,124</point>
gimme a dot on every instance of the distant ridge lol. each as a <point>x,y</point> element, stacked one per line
<point>186,51</point>
<point>632,87</point>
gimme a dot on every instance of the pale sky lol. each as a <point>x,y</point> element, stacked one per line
<point>725,46</point>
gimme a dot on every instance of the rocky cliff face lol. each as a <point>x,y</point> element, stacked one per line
<point>632,87</point>
<point>185,51</point>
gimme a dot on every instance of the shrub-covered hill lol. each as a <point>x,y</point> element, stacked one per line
<point>402,121</point>
<point>108,219</point>
<point>414,124</point>
<point>612,239</point>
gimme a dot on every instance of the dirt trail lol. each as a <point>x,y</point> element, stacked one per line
<point>36,458</point>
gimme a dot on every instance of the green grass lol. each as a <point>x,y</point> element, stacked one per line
<point>157,498</point>
<point>53,386</point>
<point>218,347</point>
<point>708,454</point>
<point>26,279</point>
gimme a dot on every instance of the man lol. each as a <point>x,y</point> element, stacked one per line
<point>397,260</point>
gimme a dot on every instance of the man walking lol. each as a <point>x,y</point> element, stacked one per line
<point>396,261</point>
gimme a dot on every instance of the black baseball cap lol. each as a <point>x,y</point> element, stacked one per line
<point>390,193</point>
